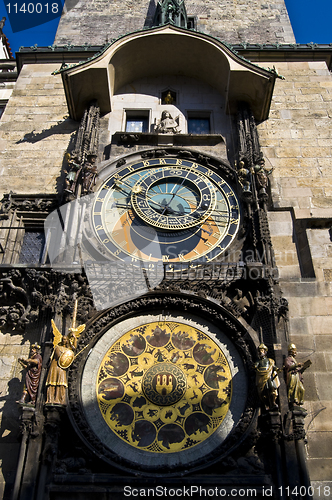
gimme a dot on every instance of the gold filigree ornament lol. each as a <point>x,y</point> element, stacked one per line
<point>167,389</point>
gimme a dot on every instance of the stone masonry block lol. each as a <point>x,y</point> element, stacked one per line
<point>289,272</point>
<point>318,362</point>
<point>285,162</point>
<point>321,202</point>
<point>324,386</point>
<point>295,142</point>
<point>324,343</point>
<point>308,97</point>
<point>320,325</point>
<point>296,193</point>
<point>290,152</point>
<point>320,444</point>
<point>7,366</point>
<point>319,470</point>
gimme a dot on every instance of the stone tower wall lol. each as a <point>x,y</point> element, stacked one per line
<point>99,21</point>
<point>34,132</point>
<point>296,141</point>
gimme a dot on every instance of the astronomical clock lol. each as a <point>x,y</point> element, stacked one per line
<point>165,209</point>
<point>164,383</point>
<point>176,294</point>
<point>161,251</point>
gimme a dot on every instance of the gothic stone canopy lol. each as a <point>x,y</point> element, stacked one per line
<point>163,51</point>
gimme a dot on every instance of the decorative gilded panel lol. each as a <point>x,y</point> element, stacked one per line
<point>163,391</point>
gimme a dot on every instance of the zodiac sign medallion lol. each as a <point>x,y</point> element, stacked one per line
<point>164,387</point>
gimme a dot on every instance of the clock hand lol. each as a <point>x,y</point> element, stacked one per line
<point>118,183</point>
<point>221,213</point>
<point>194,230</point>
<point>118,205</point>
<point>168,209</point>
<point>170,201</point>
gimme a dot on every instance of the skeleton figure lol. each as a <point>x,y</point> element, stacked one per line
<point>73,173</point>
<point>89,175</point>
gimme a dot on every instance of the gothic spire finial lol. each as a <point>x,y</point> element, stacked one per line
<point>171,12</point>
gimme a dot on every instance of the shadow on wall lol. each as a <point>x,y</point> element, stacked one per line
<point>9,436</point>
<point>67,126</point>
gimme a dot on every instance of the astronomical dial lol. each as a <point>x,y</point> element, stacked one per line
<point>161,393</point>
<point>165,209</point>
<point>173,198</point>
<point>164,388</point>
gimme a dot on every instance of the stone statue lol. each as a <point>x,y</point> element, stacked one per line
<point>167,124</point>
<point>73,173</point>
<point>294,377</point>
<point>267,380</point>
<point>89,174</point>
<point>242,302</point>
<point>261,178</point>
<point>243,176</point>
<point>33,366</point>
<point>62,357</point>
<point>171,10</point>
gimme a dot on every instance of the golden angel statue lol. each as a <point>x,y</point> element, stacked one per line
<point>61,359</point>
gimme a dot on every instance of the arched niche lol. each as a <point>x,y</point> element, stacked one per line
<point>163,51</point>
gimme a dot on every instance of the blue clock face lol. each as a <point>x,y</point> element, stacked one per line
<point>173,199</point>
<point>167,210</point>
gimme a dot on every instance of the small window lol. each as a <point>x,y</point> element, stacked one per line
<point>199,124</point>
<point>137,121</point>
<point>32,247</point>
<point>191,23</point>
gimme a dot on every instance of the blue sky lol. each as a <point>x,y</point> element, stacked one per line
<point>311,22</point>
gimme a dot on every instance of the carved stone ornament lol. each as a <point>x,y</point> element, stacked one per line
<point>26,203</point>
<point>271,427</point>
<point>252,172</point>
<point>158,383</point>
<point>27,293</point>
<point>170,11</point>
<point>81,170</point>
<point>219,165</point>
